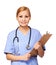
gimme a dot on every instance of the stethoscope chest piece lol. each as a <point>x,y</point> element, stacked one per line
<point>28,47</point>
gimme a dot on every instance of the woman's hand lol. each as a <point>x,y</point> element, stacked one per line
<point>26,56</point>
<point>37,45</point>
<point>17,58</point>
<point>39,48</point>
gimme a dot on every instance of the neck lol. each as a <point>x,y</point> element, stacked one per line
<point>24,28</point>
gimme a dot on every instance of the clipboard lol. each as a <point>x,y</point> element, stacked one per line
<point>42,41</point>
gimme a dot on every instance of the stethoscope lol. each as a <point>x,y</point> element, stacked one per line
<point>16,37</point>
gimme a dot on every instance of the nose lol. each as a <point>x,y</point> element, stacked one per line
<point>23,18</point>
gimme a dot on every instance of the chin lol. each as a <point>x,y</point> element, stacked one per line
<point>23,25</point>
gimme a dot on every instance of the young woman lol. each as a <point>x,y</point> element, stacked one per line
<point>22,40</point>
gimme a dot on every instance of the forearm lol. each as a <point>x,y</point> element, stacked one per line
<point>13,57</point>
<point>40,52</point>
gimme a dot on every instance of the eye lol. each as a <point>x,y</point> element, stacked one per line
<point>20,16</point>
<point>26,16</point>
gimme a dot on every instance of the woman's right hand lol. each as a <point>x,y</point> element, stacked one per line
<point>16,58</point>
<point>26,57</point>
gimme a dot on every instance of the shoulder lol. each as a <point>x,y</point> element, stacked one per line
<point>35,31</point>
<point>36,34</point>
<point>11,33</point>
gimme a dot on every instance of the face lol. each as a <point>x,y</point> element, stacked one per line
<point>23,18</point>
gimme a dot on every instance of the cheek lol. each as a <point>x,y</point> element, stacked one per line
<point>27,19</point>
<point>19,19</point>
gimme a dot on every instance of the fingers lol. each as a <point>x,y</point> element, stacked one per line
<point>37,45</point>
<point>26,57</point>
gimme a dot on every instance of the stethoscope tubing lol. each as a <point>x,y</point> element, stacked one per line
<point>16,37</point>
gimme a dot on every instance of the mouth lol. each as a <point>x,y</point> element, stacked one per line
<point>23,22</point>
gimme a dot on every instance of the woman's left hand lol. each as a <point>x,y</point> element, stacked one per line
<point>37,45</point>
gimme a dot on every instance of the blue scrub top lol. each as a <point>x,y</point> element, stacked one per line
<point>19,48</point>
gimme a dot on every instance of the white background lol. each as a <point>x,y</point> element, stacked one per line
<point>43,18</point>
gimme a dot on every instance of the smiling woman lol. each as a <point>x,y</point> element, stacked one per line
<point>23,16</point>
<point>22,40</point>
<point>43,18</point>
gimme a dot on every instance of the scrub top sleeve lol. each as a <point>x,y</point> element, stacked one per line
<point>9,45</point>
<point>38,37</point>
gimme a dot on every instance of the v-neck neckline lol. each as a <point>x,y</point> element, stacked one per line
<point>23,33</point>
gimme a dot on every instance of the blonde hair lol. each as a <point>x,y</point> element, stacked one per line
<point>23,8</point>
